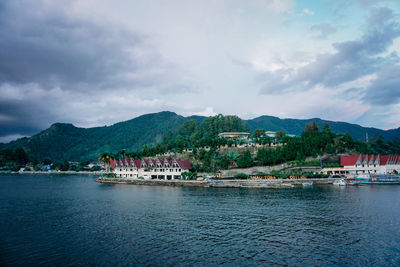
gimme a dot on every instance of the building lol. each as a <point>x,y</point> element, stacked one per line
<point>270,134</point>
<point>367,164</point>
<point>166,169</point>
<point>234,135</point>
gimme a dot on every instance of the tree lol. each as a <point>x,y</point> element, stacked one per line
<point>279,135</point>
<point>105,158</point>
<point>64,166</point>
<point>245,160</point>
<point>224,162</point>
<point>258,133</point>
<point>20,156</point>
<point>241,176</point>
<point>312,127</point>
<point>188,175</point>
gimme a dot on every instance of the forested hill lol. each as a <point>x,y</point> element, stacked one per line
<point>65,141</point>
<point>296,127</point>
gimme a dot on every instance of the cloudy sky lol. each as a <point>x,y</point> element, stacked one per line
<point>95,63</point>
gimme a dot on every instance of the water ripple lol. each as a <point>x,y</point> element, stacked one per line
<point>71,220</point>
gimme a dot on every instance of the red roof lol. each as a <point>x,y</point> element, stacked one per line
<point>348,160</point>
<point>183,164</point>
<point>383,160</point>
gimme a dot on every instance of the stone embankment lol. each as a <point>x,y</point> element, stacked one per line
<point>265,183</point>
<point>152,182</point>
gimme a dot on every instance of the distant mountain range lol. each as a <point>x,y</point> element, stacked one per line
<point>65,141</point>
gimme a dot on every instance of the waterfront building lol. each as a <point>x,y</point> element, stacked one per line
<point>166,169</point>
<point>367,164</point>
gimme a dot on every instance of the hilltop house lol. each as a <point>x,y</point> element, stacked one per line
<point>364,164</point>
<point>234,135</point>
<point>165,169</point>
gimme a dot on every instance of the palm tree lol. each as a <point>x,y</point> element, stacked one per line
<point>106,157</point>
<point>122,153</point>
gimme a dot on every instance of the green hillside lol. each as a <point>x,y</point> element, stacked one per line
<point>65,141</point>
<point>295,126</point>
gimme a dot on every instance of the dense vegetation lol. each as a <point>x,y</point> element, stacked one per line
<point>158,132</point>
<point>296,126</point>
<point>13,159</point>
<point>211,153</point>
<point>65,141</point>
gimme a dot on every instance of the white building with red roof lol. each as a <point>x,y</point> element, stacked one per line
<point>166,169</point>
<point>367,164</point>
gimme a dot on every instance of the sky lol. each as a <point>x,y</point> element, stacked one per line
<point>95,63</point>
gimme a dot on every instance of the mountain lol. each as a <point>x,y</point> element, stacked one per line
<point>296,126</point>
<point>65,141</point>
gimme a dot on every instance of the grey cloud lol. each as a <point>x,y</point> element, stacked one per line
<point>379,15</point>
<point>385,90</point>
<point>323,29</point>
<point>25,119</point>
<point>44,46</point>
<point>352,60</point>
<point>55,50</point>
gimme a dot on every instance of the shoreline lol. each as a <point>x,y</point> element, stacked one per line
<point>237,183</point>
<point>55,172</point>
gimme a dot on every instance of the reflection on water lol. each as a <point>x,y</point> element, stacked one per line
<point>54,220</point>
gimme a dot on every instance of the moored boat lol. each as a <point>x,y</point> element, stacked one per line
<point>388,179</point>
<point>307,184</point>
<point>340,182</point>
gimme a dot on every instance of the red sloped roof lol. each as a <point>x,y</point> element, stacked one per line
<point>169,162</point>
<point>384,159</point>
<point>363,158</point>
<point>348,160</point>
<point>184,164</point>
<point>137,163</point>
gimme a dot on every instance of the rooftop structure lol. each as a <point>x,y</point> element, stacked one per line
<point>234,135</point>
<point>270,134</point>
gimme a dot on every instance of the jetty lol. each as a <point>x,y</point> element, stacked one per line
<point>222,183</point>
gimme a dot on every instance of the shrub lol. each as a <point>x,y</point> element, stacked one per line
<point>241,176</point>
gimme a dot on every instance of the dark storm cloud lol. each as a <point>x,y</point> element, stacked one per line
<point>352,60</point>
<point>47,54</point>
<point>52,49</point>
<point>11,115</point>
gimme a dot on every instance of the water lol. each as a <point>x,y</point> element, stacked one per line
<point>72,220</point>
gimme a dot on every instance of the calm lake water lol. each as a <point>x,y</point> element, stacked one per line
<point>72,220</point>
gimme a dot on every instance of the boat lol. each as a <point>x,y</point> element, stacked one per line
<point>307,184</point>
<point>388,179</point>
<point>340,182</point>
